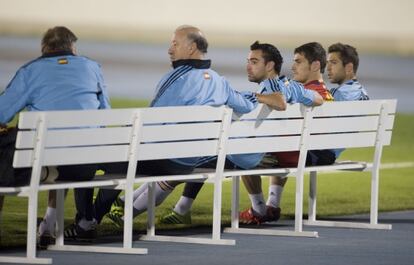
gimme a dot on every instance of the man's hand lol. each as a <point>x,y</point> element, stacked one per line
<point>3,128</point>
<point>274,100</point>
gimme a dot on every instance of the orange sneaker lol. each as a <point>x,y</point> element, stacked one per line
<point>249,216</point>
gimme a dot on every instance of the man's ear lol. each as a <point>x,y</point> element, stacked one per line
<point>73,48</point>
<point>349,68</point>
<point>315,66</point>
<point>193,48</point>
<point>270,66</point>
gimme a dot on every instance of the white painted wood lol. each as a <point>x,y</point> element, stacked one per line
<point>349,108</point>
<point>24,260</point>
<point>151,209</point>
<point>78,137</point>
<point>349,124</point>
<point>270,232</point>
<point>136,135</point>
<point>265,127</point>
<point>182,114</point>
<point>376,164</point>
<point>192,240</point>
<point>100,249</point>
<point>264,112</point>
<point>346,140</point>
<point>325,223</point>
<point>78,118</point>
<point>304,142</point>
<point>178,149</point>
<point>312,196</point>
<point>235,198</point>
<point>177,132</point>
<point>118,153</point>
<point>60,218</point>
<point>67,132</point>
<point>78,155</point>
<point>221,159</point>
<point>36,164</point>
<point>263,144</point>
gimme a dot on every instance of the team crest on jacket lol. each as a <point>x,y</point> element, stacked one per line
<point>206,75</point>
<point>62,61</point>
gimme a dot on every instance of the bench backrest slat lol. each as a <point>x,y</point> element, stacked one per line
<point>166,133</point>
<point>266,130</point>
<point>333,125</point>
<point>346,140</point>
<point>350,108</point>
<point>349,124</point>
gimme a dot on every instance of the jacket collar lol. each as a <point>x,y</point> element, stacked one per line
<point>198,64</point>
<point>58,53</point>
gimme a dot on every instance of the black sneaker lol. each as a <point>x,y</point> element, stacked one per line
<point>45,240</point>
<point>272,214</point>
<point>75,232</point>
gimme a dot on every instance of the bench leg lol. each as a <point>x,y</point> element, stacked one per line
<point>235,202</point>
<point>373,224</point>
<point>32,225</point>
<point>216,233</point>
<point>128,216</point>
<point>151,209</point>
<point>312,196</point>
<point>31,237</point>
<point>374,197</point>
<point>218,189</point>
<point>60,217</point>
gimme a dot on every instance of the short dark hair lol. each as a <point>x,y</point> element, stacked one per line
<point>347,53</point>
<point>313,51</point>
<point>199,40</point>
<point>58,39</point>
<point>270,54</point>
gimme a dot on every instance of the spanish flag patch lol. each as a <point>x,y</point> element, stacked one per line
<point>62,61</point>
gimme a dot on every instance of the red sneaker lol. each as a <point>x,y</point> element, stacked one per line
<point>249,216</point>
<point>272,214</point>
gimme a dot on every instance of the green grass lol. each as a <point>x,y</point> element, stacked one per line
<point>338,194</point>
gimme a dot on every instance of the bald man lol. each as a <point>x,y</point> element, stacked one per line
<point>190,82</point>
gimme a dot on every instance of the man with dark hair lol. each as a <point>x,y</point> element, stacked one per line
<point>191,82</point>
<point>58,80</point>
<point>263,67</point>
<point>342,66</point>
<point>343,62</point>
<point>308,66</point>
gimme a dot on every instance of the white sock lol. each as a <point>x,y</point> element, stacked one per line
<point>141,203</point>
<point>275,195</point>
<point>49,221</point>
<point>87,225</point>
<point>183,206</point>
<point>137,192</point>
<point>258,203</point>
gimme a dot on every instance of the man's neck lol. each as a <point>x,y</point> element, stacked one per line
<point>272,75</point>
<point>314,77</point>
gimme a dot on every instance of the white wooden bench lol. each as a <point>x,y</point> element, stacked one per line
<point>131,135</point>
<point>121,135</point>
<point>333,125</point>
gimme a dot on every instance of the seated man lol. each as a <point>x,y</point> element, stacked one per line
<point>308,67</point>
<point>342,65</point>
<point>191,82</point>
<point>58,80</point>
<point>263,66</point>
